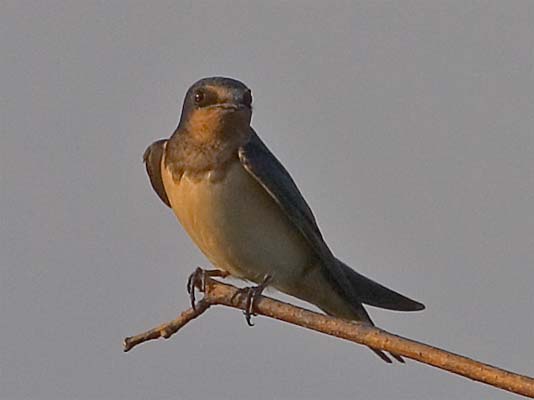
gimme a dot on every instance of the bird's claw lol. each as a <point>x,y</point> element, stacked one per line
<point>197,280</point>
<point>252,294</point>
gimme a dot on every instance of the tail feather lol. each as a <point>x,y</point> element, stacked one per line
<point>383,356</point>
<point>374,294</point>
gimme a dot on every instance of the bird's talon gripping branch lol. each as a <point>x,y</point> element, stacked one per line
<point>252,295</point>
<point>197,280</point>
<point>193,282</point>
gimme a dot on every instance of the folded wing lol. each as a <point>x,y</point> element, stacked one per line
<point>273,177</point>
<point>152,159</point>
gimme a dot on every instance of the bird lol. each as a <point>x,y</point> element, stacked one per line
<point>243,210</point>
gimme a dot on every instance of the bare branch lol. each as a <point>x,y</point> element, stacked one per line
<point>218,293</point>
<point>167,329</point>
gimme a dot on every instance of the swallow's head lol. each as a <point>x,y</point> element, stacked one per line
<point>216,106</point>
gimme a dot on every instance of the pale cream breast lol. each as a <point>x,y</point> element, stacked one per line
<point>237,224</point>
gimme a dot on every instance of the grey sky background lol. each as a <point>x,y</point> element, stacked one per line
<point>408,126</point>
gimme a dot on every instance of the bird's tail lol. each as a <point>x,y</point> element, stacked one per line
<point>367,291</point>
<point>357,290</point>
<point>357,312</point>
<point>325,293</point>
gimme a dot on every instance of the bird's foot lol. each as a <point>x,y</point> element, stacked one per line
<point>252,294</point>
<point>197,280</point>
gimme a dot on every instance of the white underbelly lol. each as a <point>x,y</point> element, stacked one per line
<point>238,226</point>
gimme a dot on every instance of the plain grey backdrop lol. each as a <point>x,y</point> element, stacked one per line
<point>408,126</point>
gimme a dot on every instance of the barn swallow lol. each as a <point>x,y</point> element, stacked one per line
<point>244,211</point>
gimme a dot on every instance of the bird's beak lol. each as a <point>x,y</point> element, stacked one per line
<point>229,106</point>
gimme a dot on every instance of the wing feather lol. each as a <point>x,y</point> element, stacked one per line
<point>273,177</point>
<point>152,159</point>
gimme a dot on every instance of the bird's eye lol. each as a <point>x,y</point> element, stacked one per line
<point>247,98</point>
<point>199,97</point>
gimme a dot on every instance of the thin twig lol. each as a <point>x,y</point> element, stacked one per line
<point>218,293</point>
<point>167,329</point>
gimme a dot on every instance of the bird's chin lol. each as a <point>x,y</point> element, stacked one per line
<point>208,123</point>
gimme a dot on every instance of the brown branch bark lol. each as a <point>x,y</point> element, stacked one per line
<point>217,293</point>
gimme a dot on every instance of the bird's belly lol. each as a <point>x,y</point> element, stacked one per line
<point>238,226</point>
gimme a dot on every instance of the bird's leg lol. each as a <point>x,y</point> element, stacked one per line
<point>198,280</point>
<point>252,294</point>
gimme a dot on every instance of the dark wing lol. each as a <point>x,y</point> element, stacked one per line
<point>273,177</point>
<point>152,160</point>
<point>271,174</point>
